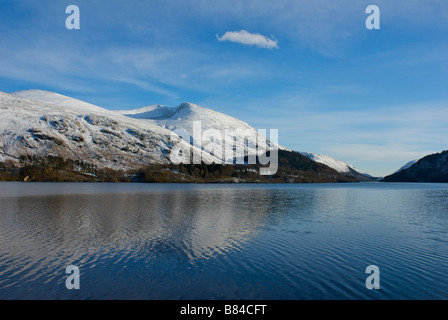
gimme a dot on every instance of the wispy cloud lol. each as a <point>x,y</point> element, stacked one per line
<point>247,38</point>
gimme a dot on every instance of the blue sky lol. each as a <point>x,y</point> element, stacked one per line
<point>311,69</point>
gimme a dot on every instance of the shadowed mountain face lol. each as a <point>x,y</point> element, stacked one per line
<point>432,168</point>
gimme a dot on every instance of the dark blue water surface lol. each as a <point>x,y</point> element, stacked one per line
<point>250,241</point>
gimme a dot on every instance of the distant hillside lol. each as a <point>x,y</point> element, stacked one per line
<point>293,168</point>
<point>432,168</point>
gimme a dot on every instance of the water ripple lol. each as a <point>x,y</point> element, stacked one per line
<point>225,242</point>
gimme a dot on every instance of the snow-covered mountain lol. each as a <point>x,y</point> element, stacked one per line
<point>36,122</point>
<point>232,134</point>
<point>42,123</point>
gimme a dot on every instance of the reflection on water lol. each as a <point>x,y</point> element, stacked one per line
<point>135,241</point>
<point>197,225</point>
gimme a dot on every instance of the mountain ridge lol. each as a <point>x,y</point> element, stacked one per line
<point>53,124</point>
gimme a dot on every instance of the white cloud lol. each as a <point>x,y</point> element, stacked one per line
<point>247,38</point>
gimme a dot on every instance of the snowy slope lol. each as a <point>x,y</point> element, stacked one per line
<point>182,117</point>
<point>407,165</point>
<point>338,165</point>
<point>37,125</point>
<point>59,100</point>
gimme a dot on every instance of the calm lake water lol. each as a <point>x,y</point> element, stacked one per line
<point>183,241</point>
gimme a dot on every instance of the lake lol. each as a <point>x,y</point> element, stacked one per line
<point>223,241</point>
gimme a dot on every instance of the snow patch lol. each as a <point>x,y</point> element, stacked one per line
<point>338,165</point>
<point>407,165</point>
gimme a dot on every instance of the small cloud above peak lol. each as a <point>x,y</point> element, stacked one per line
<point>247,38</point>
